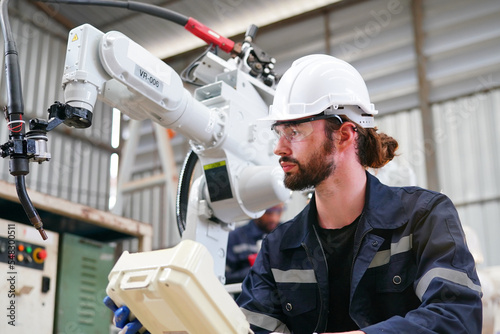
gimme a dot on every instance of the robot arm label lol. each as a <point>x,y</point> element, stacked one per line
<point>148,78</point>
<point>218,183</point>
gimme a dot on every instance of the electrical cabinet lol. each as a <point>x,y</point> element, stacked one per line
<point>84,266</point>
<point>28,272</point>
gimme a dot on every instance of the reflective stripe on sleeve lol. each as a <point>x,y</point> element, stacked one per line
<point>266,322</point>
<point>451,275</point>
<point>383,257</point>
<point>238,249</point>
<point>294,276</point>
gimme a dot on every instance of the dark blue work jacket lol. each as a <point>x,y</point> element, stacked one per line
<point>412,270</point>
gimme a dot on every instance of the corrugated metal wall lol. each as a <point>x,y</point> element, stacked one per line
<point>79,168</point>
<point>469,160</point>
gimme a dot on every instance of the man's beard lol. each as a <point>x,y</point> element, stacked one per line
<point>317,170</point>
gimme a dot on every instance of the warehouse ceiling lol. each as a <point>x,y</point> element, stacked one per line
<point>166,39</point>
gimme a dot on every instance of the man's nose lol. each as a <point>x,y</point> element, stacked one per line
<point>282,147</point>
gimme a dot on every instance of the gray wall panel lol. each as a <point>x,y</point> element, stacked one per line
<point>482,218</point>
<point>469,146</point>
<point>462,46</point>
<point>408,167</point>
<point>469,160</point>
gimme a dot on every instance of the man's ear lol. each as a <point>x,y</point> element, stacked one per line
<point>347,134</point>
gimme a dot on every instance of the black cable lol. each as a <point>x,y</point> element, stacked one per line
<point>19,163</point>
<point>131,5</point>
<point>15,103</point>
<point>182,199</point>
<point>187,72</point>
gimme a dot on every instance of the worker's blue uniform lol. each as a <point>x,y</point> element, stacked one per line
<point>412,271</point>
<point>241,243</point>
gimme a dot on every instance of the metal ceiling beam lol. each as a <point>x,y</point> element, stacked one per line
<point>326,21</point>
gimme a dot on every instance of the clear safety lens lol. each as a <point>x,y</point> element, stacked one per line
<point>299,129</point>
<point>293,132</point>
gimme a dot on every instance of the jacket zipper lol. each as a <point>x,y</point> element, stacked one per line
<point>356,254</point>
<point>319,286</point>
<point>359,245</point>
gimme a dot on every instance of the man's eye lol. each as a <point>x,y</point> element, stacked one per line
<point>294,133</point>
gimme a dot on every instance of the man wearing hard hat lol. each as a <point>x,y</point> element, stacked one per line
<point>361,257</point>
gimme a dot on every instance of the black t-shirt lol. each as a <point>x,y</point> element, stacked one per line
<point>338,245</point>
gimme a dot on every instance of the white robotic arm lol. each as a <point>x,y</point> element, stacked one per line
<point>241,174</point>
<point>126,76</point>
<point>241,177</point>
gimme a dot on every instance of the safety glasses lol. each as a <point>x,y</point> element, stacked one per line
<point>298,130</point>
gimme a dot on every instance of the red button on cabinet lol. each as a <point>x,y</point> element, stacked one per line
<point>39,255</point>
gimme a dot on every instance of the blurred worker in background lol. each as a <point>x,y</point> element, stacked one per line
<point>361,257</point>
<point>244,243</point>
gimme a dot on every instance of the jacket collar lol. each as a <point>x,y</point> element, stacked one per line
<point>383,210</point>
<point>383,205</point>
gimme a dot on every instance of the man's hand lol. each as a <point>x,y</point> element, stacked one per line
<point>121,318</point>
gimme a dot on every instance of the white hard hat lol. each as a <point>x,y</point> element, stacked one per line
<point>318,82</point>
